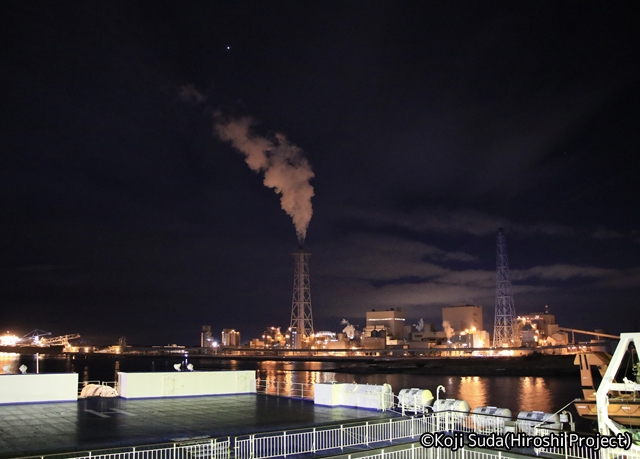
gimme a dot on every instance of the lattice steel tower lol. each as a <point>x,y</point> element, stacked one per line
<point>505,328</point>
<point>301,315</point>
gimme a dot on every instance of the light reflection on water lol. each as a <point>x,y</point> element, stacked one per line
<point>534,395</point>
<point>287,378</point>
<point>473,389</point>
<point>518,393</point>
<point>9,363</point>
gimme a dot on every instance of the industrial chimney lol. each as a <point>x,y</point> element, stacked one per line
<point>505,329</point>
<point>301,315</point>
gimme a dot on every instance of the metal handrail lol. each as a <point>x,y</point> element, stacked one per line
<point>283,389</point>
<point>210,448</point>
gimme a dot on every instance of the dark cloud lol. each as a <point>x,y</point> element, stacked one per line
<point>188,93</point>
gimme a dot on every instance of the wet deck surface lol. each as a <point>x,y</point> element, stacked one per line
<point>98,423</point>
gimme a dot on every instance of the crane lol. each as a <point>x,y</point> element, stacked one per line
<point>39,338</point>
<point>59,340</point>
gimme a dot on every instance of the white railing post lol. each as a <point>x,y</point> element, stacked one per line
<point>366,433</point>
<point>251,446</point>
<point>341,437</point>
<point>313,444</point>
<point>284,443</point>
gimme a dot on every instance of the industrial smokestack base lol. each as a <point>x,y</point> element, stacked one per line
<point>301,313</point>
<point>505,329</point>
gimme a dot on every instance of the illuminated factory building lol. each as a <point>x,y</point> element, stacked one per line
<point>463,326</point>
<point>463,317</point>
<point>230,338</point>
<point>206,337</point>
<point>391,322</point>
<point>382,327</point>
<point>541,329</point>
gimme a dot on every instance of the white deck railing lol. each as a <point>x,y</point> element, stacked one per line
<point>325,439</point>
<point>215,448</point>
<point>284,389</point>
<point>577,451</point>
<point>413,451</point>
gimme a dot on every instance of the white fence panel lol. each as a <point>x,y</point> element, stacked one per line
<point>328,439</point>
<point>206,449</point>
<point>283,444</point>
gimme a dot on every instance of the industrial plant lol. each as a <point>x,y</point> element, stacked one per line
<point>461,332</point>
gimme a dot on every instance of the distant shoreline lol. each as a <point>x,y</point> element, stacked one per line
<point>533,365</point>
<point>530,365</point>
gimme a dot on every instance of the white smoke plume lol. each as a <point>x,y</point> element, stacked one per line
<point>349,330</point>
<point>420,325</point>
<point>285,169</point>
<point>448,331</point>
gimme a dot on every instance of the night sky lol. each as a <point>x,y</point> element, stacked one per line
<point>426,126</point>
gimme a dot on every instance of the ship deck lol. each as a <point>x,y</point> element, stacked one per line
<point>98,423</point>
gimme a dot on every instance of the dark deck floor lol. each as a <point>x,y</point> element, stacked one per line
<point>97,423</point>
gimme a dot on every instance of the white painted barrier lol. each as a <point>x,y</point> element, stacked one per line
<point>371,396</point>
<point>184,384</point>
<point>50,387</point>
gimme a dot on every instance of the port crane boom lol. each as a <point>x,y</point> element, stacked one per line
<point>59,340</point>
<point>598,335</point>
